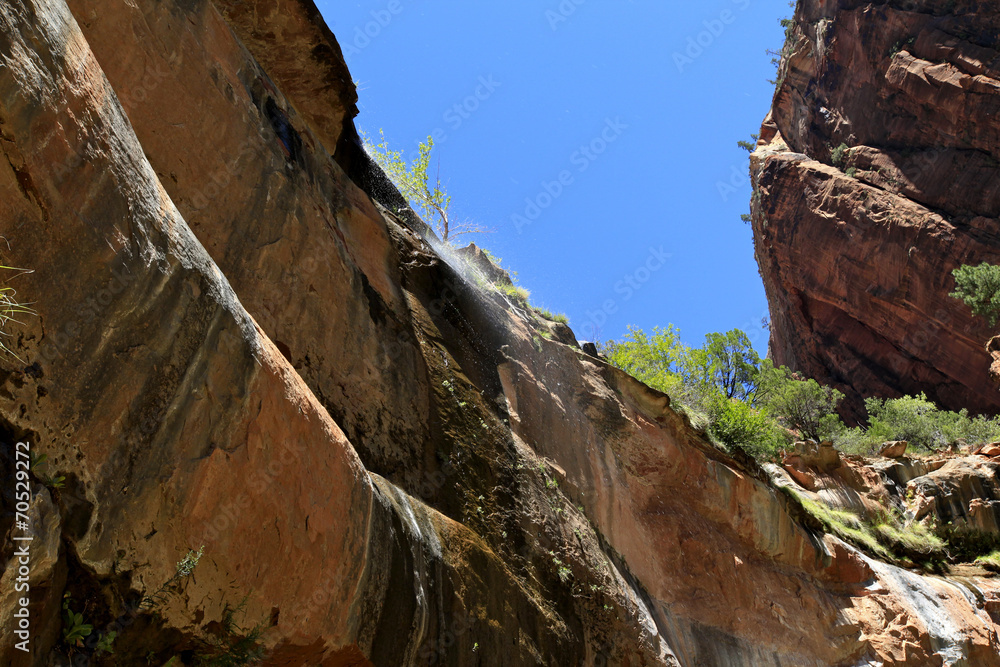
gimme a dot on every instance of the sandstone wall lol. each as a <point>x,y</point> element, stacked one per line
<point>857,256</point>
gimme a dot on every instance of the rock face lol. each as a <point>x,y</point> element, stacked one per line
<point>243,341</point>
<point>876,176</point>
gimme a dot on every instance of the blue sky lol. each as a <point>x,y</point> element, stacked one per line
<point>596,140</point>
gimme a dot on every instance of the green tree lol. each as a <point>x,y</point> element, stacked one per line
<point>749,146</point>
<point>979,288</point>
<point>718,382</point>
<point>658,359</point>
<point>728,363</point>
<point>803,405</point>
<point>414,182</point>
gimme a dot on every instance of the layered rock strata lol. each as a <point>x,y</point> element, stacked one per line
<point>876,175</point>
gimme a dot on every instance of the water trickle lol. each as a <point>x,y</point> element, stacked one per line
<point>923,599</point>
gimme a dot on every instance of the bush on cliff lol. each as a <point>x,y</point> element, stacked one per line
<point>735,423</point>
<point>803,405</point>
<point>11,309</point>
<point>721,381</point>
<point>414,182</point>
<point>917,420</point>
<point>979,288</point>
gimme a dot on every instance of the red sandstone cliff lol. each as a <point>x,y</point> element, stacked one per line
<point>857,256</point>
<point>237,345</point>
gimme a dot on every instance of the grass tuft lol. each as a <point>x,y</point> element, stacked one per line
<point>10,309</point>
<point>990,561</point>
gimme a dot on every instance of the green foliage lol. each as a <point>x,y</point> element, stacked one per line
<point>742,400</point>
<point>106,643</point>
<point>39,466</point>
<point>900,45</point>
<point>914,540</point>
<point>918,421</point>
<point>979,288</point>
<point>515,292</point>
<point>838,154</point>
<point>803,405</point>
<point>990,561</point>
<point>729,363</point>
<point>234,645</point>
<point>557,317</point>
<point>425,194</point>
<point>749,146</point>
<point>746,217</point>
<point>788,24</point>
<point>735,423</point>
<point>75,630</point>
<point>845,525</point>
<point>657,359</point>
<point>717,384</point>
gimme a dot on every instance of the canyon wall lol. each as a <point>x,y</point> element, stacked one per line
<point>243,340</point>
<point>875,176</point>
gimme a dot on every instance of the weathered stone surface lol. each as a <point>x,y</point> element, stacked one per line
<point>964,490</point>
<point>184,425</point>
<point>821,455</point>
<point>236,346</point>
<point>893,450</point>
<point>857,257</point>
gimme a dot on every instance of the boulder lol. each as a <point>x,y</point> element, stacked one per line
<point>893,450</point>
<point>822,456</point>
<point>991,450</point>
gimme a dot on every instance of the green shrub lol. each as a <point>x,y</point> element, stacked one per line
<point>916,420</point>
<point>838,154</point>
<point>75,630</point>
<point>803,405</point>
<point>735,423</point>
<point>979,288</point>
<point>910,418</point>
<point>515,292</point>
<point>990,561</point>
<point>557,317</point>
<point>234,645</point>
<point>856,441</point>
